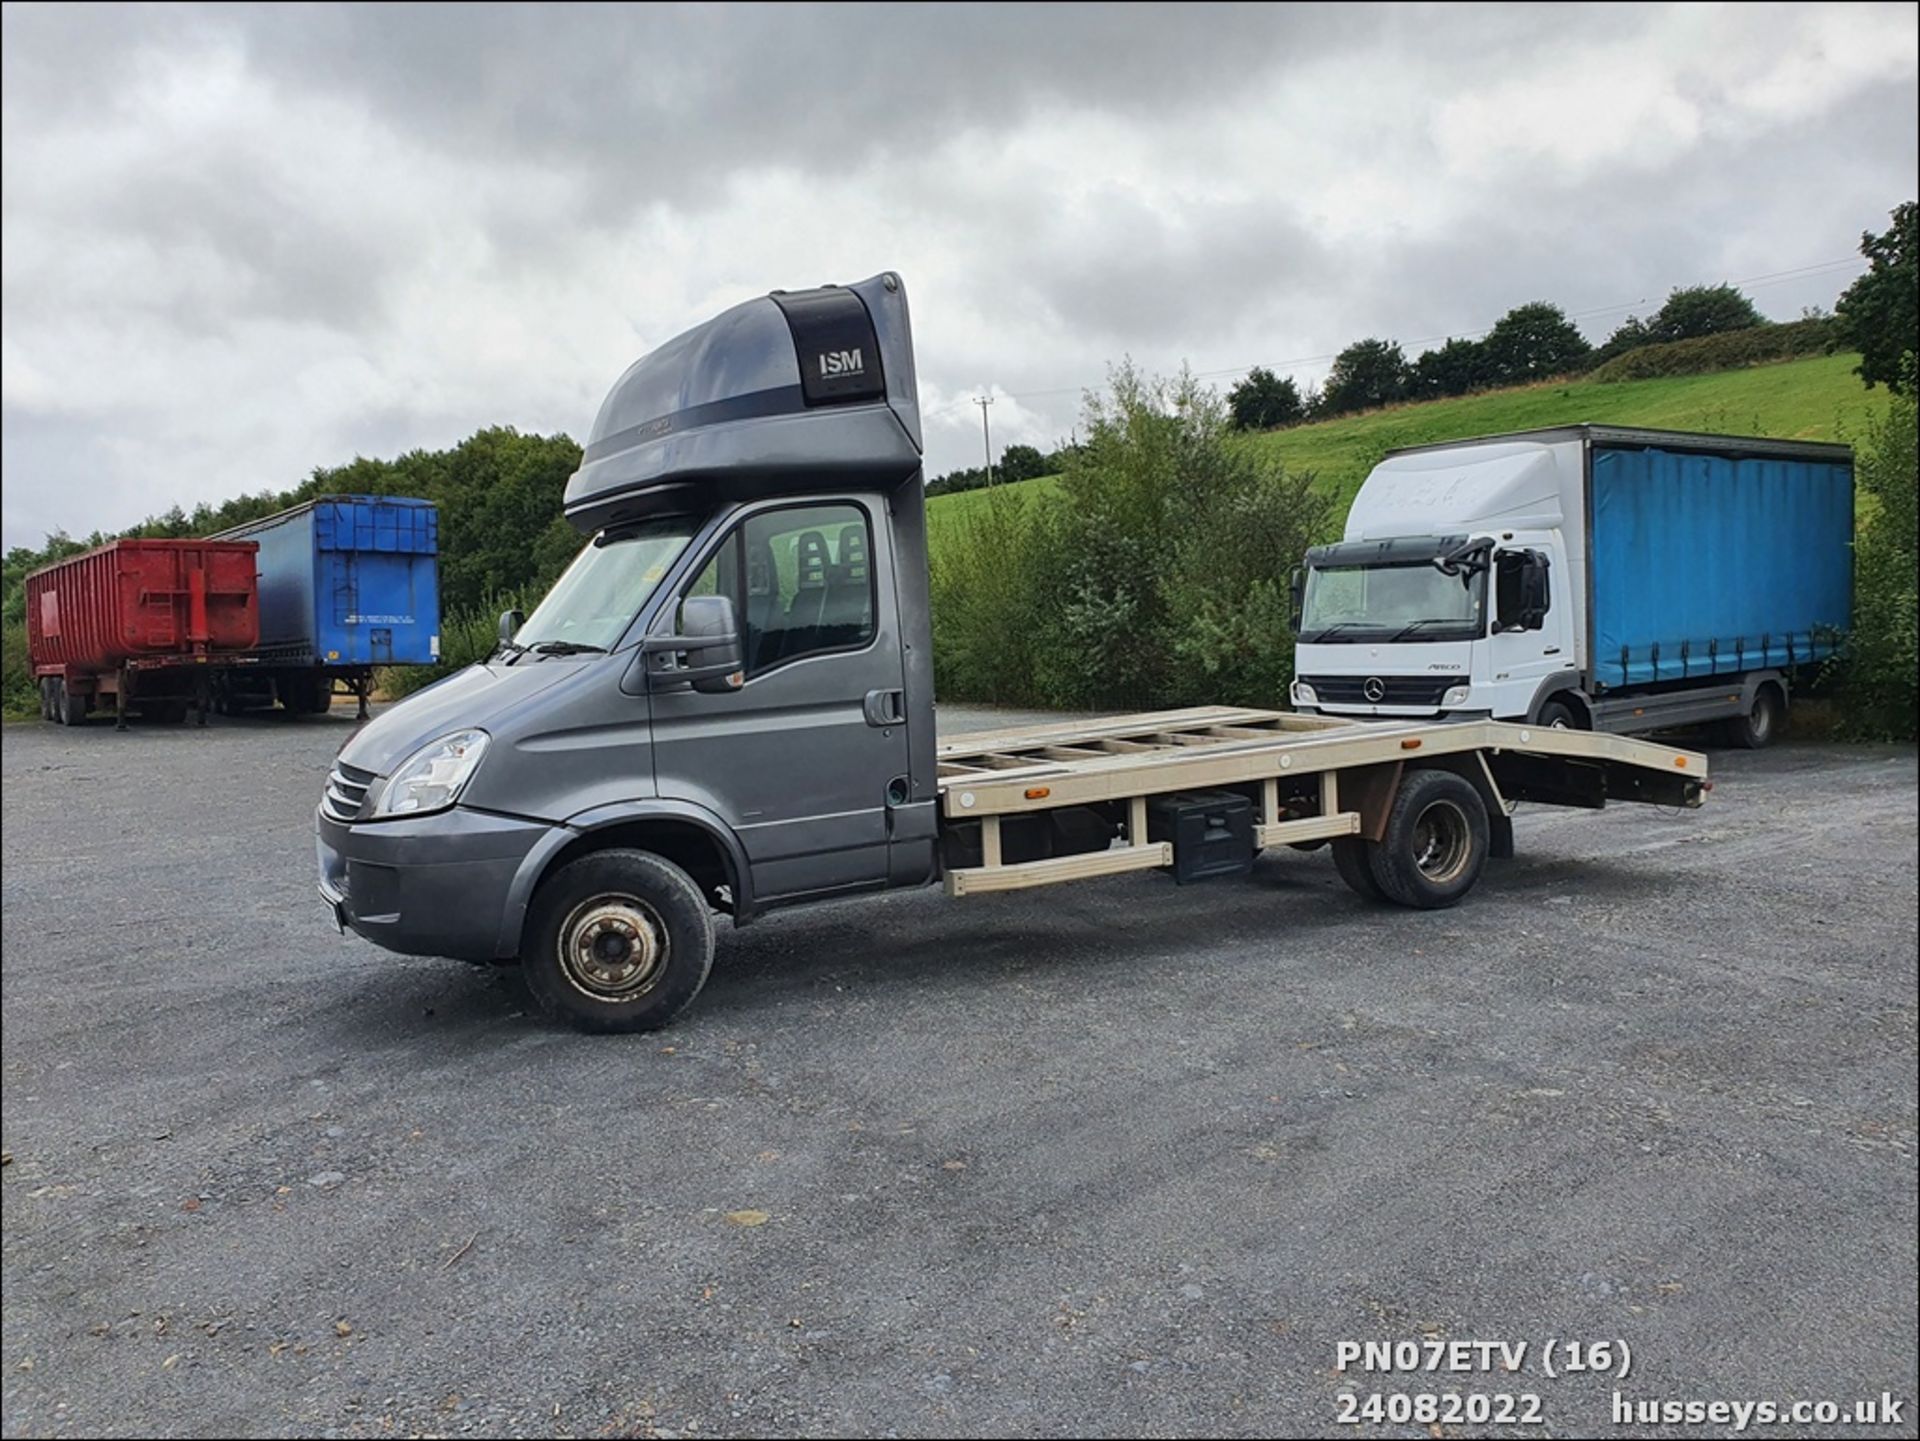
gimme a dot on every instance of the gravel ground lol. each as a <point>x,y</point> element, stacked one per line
<point>1114,1158</point>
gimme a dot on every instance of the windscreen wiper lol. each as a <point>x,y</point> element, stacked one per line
<point>566,647</point>
<point>1411,626</point>
<point>1335,629</point>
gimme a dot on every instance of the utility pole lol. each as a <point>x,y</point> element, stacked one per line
<point>986,436</point>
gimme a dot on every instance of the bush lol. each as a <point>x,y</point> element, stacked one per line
<point>1155,575</point>
<point>1731,350</point>
<point>1878,685</point>
<point>19,693</point>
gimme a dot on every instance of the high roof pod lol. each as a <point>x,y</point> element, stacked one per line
<point>775,395</point>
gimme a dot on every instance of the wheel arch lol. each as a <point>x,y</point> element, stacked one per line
<point>692,838</point>
<point>1564,686</point>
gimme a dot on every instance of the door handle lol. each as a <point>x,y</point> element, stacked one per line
<point>1551,650</point>
<point>884,708</point>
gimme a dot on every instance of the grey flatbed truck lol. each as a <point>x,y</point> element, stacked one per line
<point>725,706</point>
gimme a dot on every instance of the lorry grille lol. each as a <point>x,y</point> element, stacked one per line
<point>1399,689</point>
<point>346,791</point>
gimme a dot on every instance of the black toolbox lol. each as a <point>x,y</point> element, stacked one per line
<point>1211,831</point>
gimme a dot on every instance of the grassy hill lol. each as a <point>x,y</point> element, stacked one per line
<point>1815,399</point>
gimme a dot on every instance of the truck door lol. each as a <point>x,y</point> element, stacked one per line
<point>1532,637</point>
<point>799,760</point>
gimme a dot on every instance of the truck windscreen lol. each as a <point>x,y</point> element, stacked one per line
<point>1375,602</point>
<point>595,599</point>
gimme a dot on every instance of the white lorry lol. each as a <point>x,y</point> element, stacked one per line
<point>1589,577</point>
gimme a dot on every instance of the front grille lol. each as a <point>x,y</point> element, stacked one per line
<point>346,791</point>
<point>1418,690</point>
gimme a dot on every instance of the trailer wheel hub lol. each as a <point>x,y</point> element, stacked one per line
<point>613,948</point>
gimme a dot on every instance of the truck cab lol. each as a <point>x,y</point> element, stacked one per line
<point>734,675</point>
<point>1453,593</point>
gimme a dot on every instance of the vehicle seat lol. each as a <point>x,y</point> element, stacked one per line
<point>813,565</point>
<point>848,613</point>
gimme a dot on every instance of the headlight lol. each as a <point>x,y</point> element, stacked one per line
<point>1304,694</point>
<point>1457,695</point>
<point>432,778</point>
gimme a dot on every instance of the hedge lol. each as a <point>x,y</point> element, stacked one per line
<point>1729,350</point>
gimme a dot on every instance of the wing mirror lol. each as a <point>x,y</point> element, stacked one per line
<point>510,623</point>
<point>703,650</point>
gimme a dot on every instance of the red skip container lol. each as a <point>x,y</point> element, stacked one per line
<point>143,601</point>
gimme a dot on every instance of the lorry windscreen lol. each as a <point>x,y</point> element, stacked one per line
<point>1362,603</point>
<point>595,599</point>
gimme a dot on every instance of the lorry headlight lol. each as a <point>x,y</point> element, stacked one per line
<point>1304,694</point>
<point>432,778</point>
<point>1456,695</point>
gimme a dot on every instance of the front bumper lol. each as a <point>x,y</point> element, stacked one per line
<point>433,885</point>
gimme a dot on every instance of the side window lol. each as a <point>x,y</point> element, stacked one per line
<point>800,582</point>
<point>808,585</point>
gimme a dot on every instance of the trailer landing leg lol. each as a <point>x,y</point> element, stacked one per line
<point>200,687</point>
<point>120,701</point>
<point>361,688</point>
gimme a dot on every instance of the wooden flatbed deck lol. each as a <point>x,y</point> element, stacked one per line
<point>991,774</point>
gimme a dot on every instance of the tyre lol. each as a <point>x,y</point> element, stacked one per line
<point>1350,858</point>
<point>1435,844</point>
<point>619,940</point>
<point>1558,715</point>
<point>306,694</point>
<point>46,697</point>
<point>1757,729</point>
<point>70,708</point>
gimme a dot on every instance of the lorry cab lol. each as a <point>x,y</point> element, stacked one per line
<point>1452,592</point>
<point>734,674</point>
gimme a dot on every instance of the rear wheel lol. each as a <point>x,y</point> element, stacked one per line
<point>1757,729</point>
<point>619,940</point>
<point>1435,844</point>
<point>1351,859</point>
<point>306,694</point>
<point>46,697</point>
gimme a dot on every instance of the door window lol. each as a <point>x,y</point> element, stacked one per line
<point>800,581</point>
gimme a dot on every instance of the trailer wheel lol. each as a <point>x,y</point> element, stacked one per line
<point>1757,729</point>
<point>619,940</point>
<point>46,697</point>
<point>69,707</point>
<point>1435,843</point>
<point>1350,858</point>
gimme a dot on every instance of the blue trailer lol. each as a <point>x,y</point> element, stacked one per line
<point>347,583</point>
<point>1590,577</point>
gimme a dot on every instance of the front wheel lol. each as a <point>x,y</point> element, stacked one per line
<point>1436,841</point>
<point>1557,715</point>
<point>619,940</point>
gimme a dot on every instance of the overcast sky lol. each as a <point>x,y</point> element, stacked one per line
<point>242,242</point>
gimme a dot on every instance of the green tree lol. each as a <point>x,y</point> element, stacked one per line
<point>1018,463</point>
<point>1366,374</point>
<point>1455,368</point>
<point>1532,342</point>
<point>1629,334</point>
<point>1167,552</point>
<point>1263,401</point>
<point>1702,310</point>
<point>1878,312</point>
